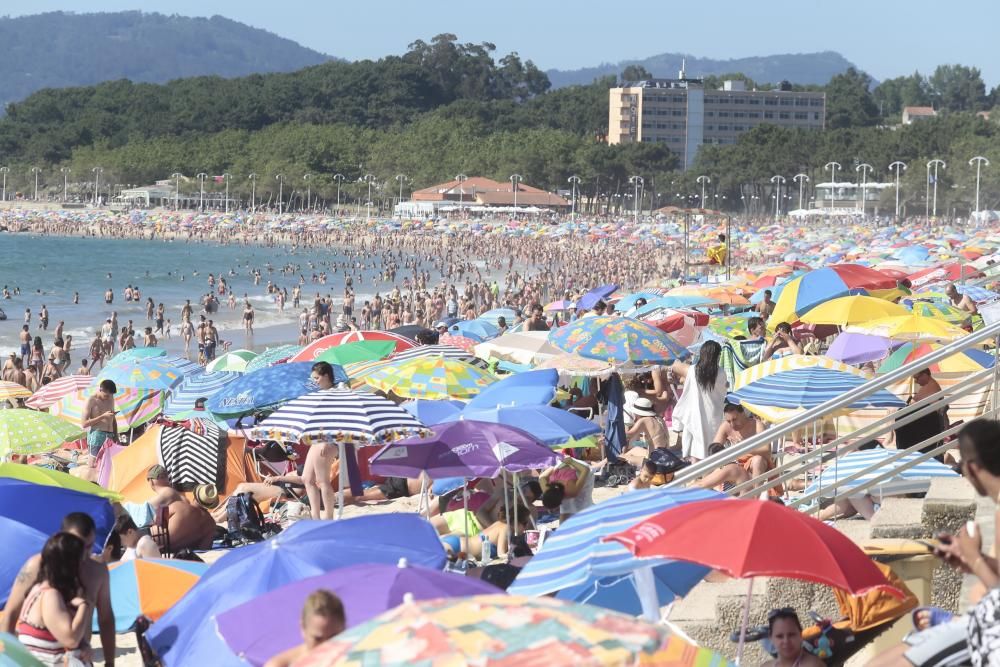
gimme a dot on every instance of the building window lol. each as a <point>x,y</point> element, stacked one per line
<point>801,115</point>
<point>723,100</point>
<point>678,112</point>
<point>816,102</point>
<point>785,102</point>
<point>710,100</point>
<point>768,114</point>
<point>815,115</point>
<point>753,114</point>
<point>754,101</point>
<point>709,128</point>
<point>801,102</point>
<point>710,114</point>
<point>738,128</point>
<point>723,128</point>
<point>771,102</point>
<point>739,114</point>
<point>677,99</point>
<point>784,115</point>
<point>723,114</point>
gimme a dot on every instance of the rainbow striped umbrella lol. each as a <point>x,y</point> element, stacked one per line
<point>12,391</point>
<point>55,390</point>
<point>968,361</point>
<point>430,377</point>
<point>134,407</point>
<point>944,311</point>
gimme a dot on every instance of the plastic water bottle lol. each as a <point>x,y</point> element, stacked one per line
<point>484,558</point>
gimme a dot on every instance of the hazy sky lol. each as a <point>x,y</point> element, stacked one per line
<point>885,39</point>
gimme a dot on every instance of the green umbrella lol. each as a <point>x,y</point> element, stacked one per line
<point>272,355</point>
<point>13,653</point>
<point>28,432</point>
<point>137,353</point>
<point>365,350</point>
<point>50,477</point>
<point>235,361</point>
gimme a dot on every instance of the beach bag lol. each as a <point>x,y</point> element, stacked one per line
<point>666,462</point>
<point>244,518</point>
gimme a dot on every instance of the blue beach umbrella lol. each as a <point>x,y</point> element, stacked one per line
<point>203,385</point>
<point>912,480</point>
<point>577,565</point>
<point>627,302</point>
<point>477,330</point>
<point>674,301</point>
<point>21,542</point>
<point>187,634</point>
<point>493,316</point>
<point>537,387</point>
<point>43,507</point>
<point>266,388</point>
<point>271,356</point>
<point>137,353</point>
<point>550,426</point>
<point>430,412</point>
<point>594,296</point>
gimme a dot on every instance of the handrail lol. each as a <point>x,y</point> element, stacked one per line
<point>732,453</point>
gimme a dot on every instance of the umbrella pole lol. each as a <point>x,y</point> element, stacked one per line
<point>423,491</point>
<point>645,588</point>
<point>342,454</point>
<point>465,505</point>
<point>506,504</point>
<point>744,623</point>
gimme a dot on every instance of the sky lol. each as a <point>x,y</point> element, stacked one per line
<point>885,39</point>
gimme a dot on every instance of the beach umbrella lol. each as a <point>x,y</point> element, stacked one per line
<point>947,272</point>
<point>409,330</point>
<point>21,542</point>
<point>53,391</point>
<point>594,296</point>
<point>521,347</point>
<point>24,431</point>
<point>51,477</point>
<point>311,351</point>
<point>337,416</point>
<point>505,629</point>
<point>364,350</point>
<point>13,391</point>
<point>461,342</point>
<point>493,316</point>
<point>463,448</point>
<point>430,377</point>
<point>550,426</point>
<point>627,302</point>
<point>802,294</point>
<point>967,361</point>
<point>910,327</point>
<point>780,396</point>
<point>477,330</point>
<point>233,362</point>
<point>534,387</point>
<point>43,507</point>
<point>187,633</point>
<point>977,294</point>
<point>856,348</point>
<point>915,479</point>
<point>852,310</point>
<point>623,341</point>
<point>575,564</point>
<point>730,326</point>
<point>559,306</point>
<point>136,354</point>
<point>944,311</point>
<point>149,587</point>
<point>153,374</point>
<point>204,385</point>
<point>672,302</point>
<point>366,590</point>
<point>430,412</point>
<point>271,356</point>
<point>266,388</point>
<point>14,654</point>
<point>133,407</point>
<point>755,538</point>
<point>573,365</point>
<point>446,351</point>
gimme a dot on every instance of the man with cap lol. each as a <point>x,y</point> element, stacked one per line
<point>189,524</point>
<point>99,417</point>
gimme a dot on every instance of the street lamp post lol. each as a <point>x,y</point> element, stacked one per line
<point>979,160</point>
<point>226,176</point>
<point>97,181</point>
<point>307,178</point>
<point>801,179</point>
<point>575,181</point>
<point>177,189</point>
<point>35,170</point>
<point>637,182</point>
<point>281,191</point>
<point>865,169</point>
<point>253,191</point>
<point>65,172</point>
<point>934,163</point>
<point>401,178</point>
<point>514,180</point>
<point>832,167</point>
<point>201,196</point>
<point>340,181</point>
<point>779,181</point>
<point>369,178</point>
<point>461,178</point>
<point>3,195</point>
<point>897,166</point>
<point>703,180</point>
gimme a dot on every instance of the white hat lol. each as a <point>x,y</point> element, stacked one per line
<point>642,407</point>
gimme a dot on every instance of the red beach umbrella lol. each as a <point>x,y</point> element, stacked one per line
<point>318,347</point>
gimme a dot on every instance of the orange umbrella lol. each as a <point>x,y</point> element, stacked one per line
<point>149,587</point>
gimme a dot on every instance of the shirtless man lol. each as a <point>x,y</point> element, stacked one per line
<point>99,416</point>
<point>960,301</point>
<point>25,338</point>
<point>93,575</point>
<point>190,525</point>
<point>736,427</point>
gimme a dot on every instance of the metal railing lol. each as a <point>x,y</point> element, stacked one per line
<point>830,452</point>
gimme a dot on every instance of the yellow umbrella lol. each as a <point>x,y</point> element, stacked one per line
<point>909,327</point>
<point>12,390</point>
<point>49,477</point>
<point>789,363</point>
<point>853,310</point>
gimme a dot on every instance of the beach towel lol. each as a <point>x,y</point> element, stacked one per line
<point>739,355</point>
<point>613,394</point>
<point>193,457</point>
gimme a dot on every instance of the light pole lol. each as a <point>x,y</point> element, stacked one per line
<point>575,181</point>
<point>703,180</point>
<point>340,181</point>
<point>177,189</point>
<point>35,170</point>
<point>832,167</point>
<point>637,181</point>
<point>898,166</point>
<point>201,197</point>
<point>65,172</point>
<point>514,180</point>
<point>3,195</point>
<point>865,169</point>
<point>980,161</point>
<point>307,178</point>
<point>97,181</point>
<point>369,178</point>
<point>779,181</point>
<point>253,191</point>
<point>461,178</point>
<point>401,178</point>
<point>226,176</point>
<point>934,163</point>
<point>281,191</point>
<point>801,179</point>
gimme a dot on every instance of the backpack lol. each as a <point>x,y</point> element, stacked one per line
<point>244,518</point>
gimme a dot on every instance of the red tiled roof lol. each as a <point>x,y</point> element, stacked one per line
<point>487,191</point>
<point>919,111</point>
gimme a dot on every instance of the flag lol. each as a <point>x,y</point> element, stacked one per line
<point>219,179</point>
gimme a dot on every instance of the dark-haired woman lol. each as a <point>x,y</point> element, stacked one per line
<point>785,633</point>
<point>55,615</point>
<point>568,487</point>
<point>698,412</point>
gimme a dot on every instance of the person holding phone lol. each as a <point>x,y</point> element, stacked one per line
<point>783,340</point>
<point>99,417</point>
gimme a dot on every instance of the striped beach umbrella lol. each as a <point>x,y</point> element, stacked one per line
<point>939,309</point>
<point>133,407</point>
<point>149,587</point>
<point>271,356</point>
<point>204,385</point>
<point>311,351</point>
<point>576,565</point>
<point>430,377</point>
<point>55,390</point>
<point>967,361</point>
<point>24,431</point>
<point>336,416</point>
<point>446,351</point>
<point>809,290</point>
<point>235,362</point>
<point>912,480</point>
<point>788,363</point>
<point>363,350</point>
<point>13,391</point>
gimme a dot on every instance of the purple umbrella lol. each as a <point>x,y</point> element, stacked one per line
<point>854,348</point>
<point>591,298</point>
<point>366,591</point>
<point>465,448</point>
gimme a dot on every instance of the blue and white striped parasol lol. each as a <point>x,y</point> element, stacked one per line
<point>203,385</point>
<point>912,480</point>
